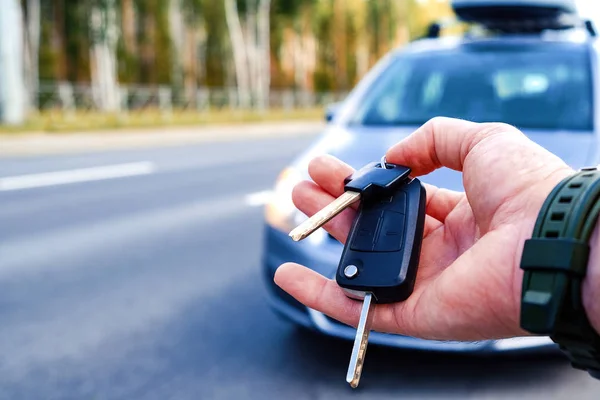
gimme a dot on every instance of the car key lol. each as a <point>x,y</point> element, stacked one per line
<point>369,180</point>
<point>380,259</point>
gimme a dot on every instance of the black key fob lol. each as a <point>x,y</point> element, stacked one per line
<point>382,252</point>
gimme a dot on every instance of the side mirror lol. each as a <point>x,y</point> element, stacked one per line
<point>331,111</point>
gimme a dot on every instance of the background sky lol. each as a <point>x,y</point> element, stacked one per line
<point>589,9</point>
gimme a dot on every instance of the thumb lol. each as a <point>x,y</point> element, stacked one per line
<point>443,142</point>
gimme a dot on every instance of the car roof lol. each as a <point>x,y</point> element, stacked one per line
<point>442,44</point>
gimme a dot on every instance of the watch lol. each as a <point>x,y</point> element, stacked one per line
<point>555,263</point>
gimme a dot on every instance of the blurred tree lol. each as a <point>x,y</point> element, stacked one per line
<point>154,41</point>
<point>59,39</point>
<point>359,32</point>
<point>194,56</point>
<point>218,54</point>
<point>240,51</point>
<point>127,47</point>
<point>32,31</point>
<point>177,31</point>
<point>104,33</point>
<point>308,45</point>
<point>77,40</point>
<point>292,43</point>
<point>12,86</point>
<point>187,35</point>
<point>324,77</point>
<point>47,52</point>
<point>263,53</point>
<point>249,25</point>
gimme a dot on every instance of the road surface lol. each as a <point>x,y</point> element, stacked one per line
<point>134,274</point>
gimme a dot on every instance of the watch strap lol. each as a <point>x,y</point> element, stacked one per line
<point>555,263</point>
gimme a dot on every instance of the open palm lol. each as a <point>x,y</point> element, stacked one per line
<point>468,284</point>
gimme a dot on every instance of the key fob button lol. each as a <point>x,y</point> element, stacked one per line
<point>399,203</point>
<point>365,232</point>
<point>380,226</point>
<point>390,232</point>
<point>386,237</point>
<point>378,232</point>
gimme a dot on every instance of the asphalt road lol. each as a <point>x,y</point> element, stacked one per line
<point>149,287</point>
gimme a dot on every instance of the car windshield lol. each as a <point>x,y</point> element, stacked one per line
<point>548,88</point>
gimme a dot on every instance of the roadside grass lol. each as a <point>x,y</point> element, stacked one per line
<point>79,121</point>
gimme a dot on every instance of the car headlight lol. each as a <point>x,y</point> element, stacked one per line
<point>280,211</point>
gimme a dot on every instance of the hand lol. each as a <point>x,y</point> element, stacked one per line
<point>469,282</point>
<point>591,283</point>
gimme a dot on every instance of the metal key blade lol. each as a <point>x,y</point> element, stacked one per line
<point>359,349</point>
<point>325,215</point>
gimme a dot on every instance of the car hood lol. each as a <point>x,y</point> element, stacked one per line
<point>358,146</point>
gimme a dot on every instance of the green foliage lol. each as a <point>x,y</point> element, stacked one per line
<point>323,80</point>
<point>218,56</point>
<point>192,10</point>
<point>162,45</point>
<point>290,9</point>
<point>128,64</point>
<point>48,57</point>
<point>77,41</point>
<point>336,29</point>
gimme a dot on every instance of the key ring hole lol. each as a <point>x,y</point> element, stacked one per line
<point>383,163</point>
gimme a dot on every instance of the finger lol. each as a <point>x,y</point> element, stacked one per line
<point>439,308</point>
<point>440,202</point>
<point>317,292</point>
<point>442,142</point>
<point>310,198</point>
<point>324,295</point>
<point>329,173</point>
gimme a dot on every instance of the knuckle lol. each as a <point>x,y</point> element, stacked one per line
<point>435,124</point>
<point>484,132</point>
<point>495,128</point>
<point>437,120</point>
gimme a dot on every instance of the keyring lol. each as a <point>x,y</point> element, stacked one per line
<point>383,162</point>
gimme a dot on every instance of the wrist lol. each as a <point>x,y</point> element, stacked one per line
<point>591,283</point>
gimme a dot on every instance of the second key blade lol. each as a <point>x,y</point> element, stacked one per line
<point>324,215</point>
<point>359,349</point>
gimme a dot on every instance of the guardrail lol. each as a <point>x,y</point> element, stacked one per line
<point>67,97</point>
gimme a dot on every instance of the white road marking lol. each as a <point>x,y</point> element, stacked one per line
<point>76,175</point>
<point>258,198</point>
